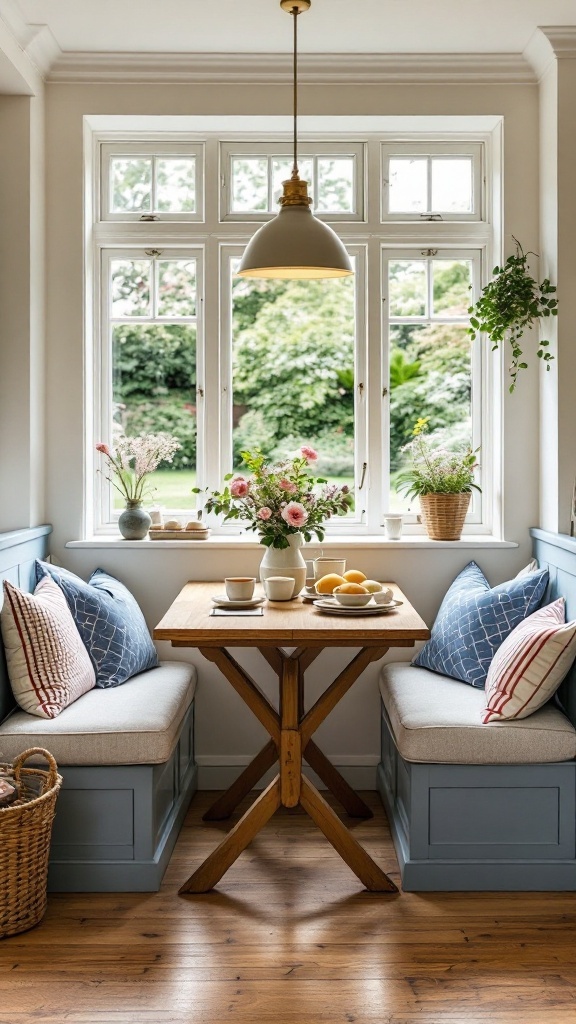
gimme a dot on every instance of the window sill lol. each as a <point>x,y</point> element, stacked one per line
<point>226,542</point>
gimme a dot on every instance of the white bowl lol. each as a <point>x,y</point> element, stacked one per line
<point>352,600</point>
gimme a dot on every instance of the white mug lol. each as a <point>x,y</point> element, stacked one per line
<point>393,525</point>
<point>278,588</point>
<point>240,588</point>
<point>324,565</point>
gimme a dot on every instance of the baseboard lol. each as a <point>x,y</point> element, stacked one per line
<point>219,772</point>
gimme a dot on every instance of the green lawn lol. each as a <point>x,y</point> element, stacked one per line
<point>171,489</point>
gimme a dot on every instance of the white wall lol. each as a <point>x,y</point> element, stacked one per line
<point>225,730</point>
<point>22,319</point>
<point>558,227</point>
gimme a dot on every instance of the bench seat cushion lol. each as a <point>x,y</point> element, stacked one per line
<point>436,720</point>
<point>136,723</point>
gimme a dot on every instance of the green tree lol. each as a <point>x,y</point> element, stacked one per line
<point>294,365</point>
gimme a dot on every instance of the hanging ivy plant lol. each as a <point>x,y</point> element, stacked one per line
<point>509,305</point>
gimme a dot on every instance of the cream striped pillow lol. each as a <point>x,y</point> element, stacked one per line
<point>48,665</point>
<point>529,666</point>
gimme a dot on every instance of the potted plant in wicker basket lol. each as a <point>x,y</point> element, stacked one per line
<point>442,480</point>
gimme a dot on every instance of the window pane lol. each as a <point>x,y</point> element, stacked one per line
<point>282,169</point>
<point>451,288</point>
<point>335,185</point>
<point>408,186</point>
<point>154,390</point>
<point>131,185</point>
<point>452,185</point>
<point>249,185</point>
<point>176,287</point>
<point>176,184</point>
<point>293,370</point>
<point>130,287</point>
<point>407,288</point>
<point>430,376</point>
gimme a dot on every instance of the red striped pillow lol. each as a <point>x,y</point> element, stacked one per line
<point>529,666</point>
<point>48,665</point>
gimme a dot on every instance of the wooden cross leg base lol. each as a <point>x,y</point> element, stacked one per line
<point>226,804</point>
<point>291,733</point>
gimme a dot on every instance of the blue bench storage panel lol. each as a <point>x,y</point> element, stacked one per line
<point>459,827</point>
<point>115,826</point>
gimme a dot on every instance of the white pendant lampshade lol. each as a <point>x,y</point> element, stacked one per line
<point>295,244</point>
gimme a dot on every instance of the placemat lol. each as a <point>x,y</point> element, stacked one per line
<point>227,612</point>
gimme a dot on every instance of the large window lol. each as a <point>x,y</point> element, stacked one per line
<point>348,365</point>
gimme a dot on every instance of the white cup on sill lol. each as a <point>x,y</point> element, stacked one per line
<point>393,526</point>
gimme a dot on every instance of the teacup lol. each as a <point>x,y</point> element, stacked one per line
<point>240,588</point>
<point>324,565</point>
<point>278,588</point>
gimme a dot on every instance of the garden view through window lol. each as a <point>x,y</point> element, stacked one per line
<point>293,350</point>
<point>430,357</point>
<point>154,327</point>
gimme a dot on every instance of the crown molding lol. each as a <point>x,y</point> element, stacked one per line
<point>549,44</point>
<point>36,41</point>
<point>259,69</point>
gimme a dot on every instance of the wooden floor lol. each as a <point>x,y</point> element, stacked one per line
<point>289,937</point>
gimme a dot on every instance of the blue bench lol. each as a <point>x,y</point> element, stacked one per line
<point>497,810</point>
<point>116,823</point>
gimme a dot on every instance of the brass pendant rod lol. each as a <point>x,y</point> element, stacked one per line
<point>295,171</point>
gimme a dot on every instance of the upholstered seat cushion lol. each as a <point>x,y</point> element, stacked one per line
<point>436,720</point>
<point>137,723</point>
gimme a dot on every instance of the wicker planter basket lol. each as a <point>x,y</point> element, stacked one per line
<point>25,832</point>
<point>443,515</point>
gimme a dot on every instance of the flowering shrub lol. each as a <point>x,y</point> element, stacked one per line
<point>279,499</point>
<point>437,470</point>
<point>133,458</point>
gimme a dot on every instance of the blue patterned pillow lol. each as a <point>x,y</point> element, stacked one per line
<point>474,619</point>
<point>109,621</point>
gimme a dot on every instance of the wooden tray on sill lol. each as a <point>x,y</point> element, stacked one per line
<point>178,534</point>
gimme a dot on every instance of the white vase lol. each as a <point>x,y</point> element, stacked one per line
<point>286,562</point>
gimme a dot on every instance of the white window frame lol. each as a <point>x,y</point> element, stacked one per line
<point>478,373</point>
<point>154,152</point>
<point>272,150</point>
<point>228,253</point>
<point>215,239</point>
<point>405,150</point>
<point>103,370</point>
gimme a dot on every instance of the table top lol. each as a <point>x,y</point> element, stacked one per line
<point>188,623</point>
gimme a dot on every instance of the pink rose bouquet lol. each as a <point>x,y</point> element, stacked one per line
<point>279,499</point>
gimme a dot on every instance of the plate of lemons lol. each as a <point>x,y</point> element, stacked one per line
<point>353,593</point>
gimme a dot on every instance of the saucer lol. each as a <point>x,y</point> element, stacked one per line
<point>222,601</point>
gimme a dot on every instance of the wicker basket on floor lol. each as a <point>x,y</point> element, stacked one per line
<point>25,833</point>
<point>443,515</point>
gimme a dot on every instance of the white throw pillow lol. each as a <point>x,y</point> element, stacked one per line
<point>531,567</point>
<point>48,665</point>
<point>529,666</point>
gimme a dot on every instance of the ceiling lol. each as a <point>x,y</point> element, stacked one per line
<point>259,26</point>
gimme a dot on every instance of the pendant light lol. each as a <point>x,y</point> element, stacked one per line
<point>295,244</point>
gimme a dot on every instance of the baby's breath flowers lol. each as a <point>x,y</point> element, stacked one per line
<point>133,458</point>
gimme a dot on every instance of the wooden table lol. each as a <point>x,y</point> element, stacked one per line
<point>298,625</point>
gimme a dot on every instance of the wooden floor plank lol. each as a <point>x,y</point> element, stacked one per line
<point>290,936</point>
